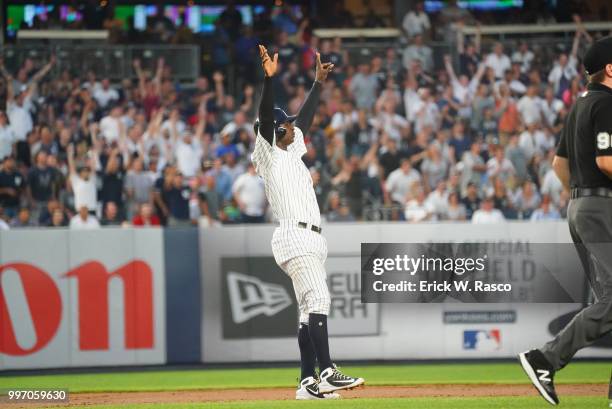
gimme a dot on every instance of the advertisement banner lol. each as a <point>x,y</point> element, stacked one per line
<point>259,301</point>
<point>240,257</point>
<point>81,298</point>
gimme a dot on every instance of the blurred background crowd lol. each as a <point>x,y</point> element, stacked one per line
<point>404,131</point>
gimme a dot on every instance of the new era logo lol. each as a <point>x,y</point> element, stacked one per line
<point>249,297</point>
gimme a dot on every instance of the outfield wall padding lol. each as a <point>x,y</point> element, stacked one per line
<point>116,296</point>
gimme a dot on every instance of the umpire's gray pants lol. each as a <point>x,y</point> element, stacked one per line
<point>590,223</point>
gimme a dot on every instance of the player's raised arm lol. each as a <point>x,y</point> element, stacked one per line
<point>266,105</point>
<point>308,109</point>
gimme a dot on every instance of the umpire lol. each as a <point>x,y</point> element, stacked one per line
<point>584,165</point>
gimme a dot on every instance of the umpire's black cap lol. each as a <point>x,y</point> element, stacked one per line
<point>598,55</point>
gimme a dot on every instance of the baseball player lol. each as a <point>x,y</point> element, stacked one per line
<point>584,164</point>
<point>297,244</point>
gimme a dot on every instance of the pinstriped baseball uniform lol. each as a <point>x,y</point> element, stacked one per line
<point>299,252</point>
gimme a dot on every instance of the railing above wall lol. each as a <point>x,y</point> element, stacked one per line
<point>111,61</point>
<point>525,29</point>
<point>101,35</point>
<point>367,33</point>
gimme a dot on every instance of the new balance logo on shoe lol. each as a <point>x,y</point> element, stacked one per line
<point>544,375</point>
<point>249,297</point>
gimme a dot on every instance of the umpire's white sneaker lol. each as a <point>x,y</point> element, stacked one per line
<point>334,380</point>
<point>309,390</point>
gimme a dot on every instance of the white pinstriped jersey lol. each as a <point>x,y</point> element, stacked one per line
<point>291,195</point>
<point>287,180</point>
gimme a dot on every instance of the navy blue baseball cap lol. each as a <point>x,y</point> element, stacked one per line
<point>281,117</point>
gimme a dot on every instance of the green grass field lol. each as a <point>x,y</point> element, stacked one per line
<point>504,373</point>
<point>405,374</point>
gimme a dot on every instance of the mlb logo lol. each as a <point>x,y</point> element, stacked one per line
<point>482,340</point>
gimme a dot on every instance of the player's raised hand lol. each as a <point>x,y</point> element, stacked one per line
<point>322,69</point>
<point>269,65</point>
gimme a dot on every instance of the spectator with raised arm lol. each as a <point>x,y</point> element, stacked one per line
<point>19,107</point>
<point>469,53</point>
<point>150,90</point>
<point>565,68</point>
<point>464,88</point>
<point>83,180</point>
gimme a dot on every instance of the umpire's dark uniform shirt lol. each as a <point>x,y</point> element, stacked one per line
<point>588,134</point>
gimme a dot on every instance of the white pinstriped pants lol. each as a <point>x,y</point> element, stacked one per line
<point>309,283</point>
<point>301,254</point>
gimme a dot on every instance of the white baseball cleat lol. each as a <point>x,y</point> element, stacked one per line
<point>334,380</point>
<point>309,390</point>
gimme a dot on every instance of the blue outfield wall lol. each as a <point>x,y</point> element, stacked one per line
<point>183,296</point>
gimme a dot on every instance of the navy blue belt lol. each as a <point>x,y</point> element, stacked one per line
<point>590,192</point>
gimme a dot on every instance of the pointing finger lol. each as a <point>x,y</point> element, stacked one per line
<point>318,59</point>
<point>275,58</point>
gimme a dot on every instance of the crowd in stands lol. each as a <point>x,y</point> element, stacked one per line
<point>395,137</point>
